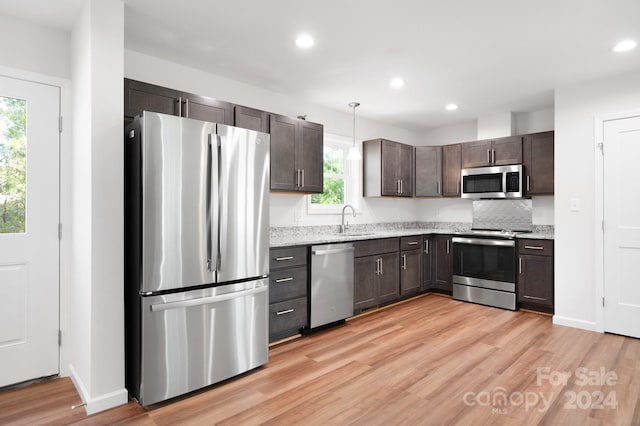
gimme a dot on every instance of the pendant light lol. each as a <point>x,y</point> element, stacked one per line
<point>354,154</point>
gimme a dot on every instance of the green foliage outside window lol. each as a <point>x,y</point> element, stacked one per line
<point>13,156</point>
<point>333,167</point>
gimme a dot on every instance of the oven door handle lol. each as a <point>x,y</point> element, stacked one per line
<point>483,242</point>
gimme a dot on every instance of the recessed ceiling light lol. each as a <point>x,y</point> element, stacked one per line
<point>304,41</point>
<point>396,82</point>
<point>624,46</point>
<point>451,107</point>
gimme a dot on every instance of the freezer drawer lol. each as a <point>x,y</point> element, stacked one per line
<point>196,338</point>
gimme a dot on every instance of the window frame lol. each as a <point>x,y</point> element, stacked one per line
<point>352,179</point>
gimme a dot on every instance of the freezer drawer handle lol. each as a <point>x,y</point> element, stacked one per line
<point>332,251</point>
<point>206,300</point>
<point>280,259</point>
<point>288,311</point>
<point>284,280</point>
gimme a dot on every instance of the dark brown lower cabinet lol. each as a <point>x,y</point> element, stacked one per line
<point>443,264</point>
<point>535,275</point>
<point>427,267</point>
<point>410,272</point>
<point>288,281</point>
<point>376,273</point>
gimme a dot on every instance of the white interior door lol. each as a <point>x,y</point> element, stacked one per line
<point>622,226</point>
<point>29,216</point>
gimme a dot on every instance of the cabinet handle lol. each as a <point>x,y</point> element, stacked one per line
<point>426,246</point>
<point>520,264</point>
<point>380,266</point>
<point>404,262</point>
<point>413,243</point>
<point>377,266</point>
<point>284,280</point>
<point>489,156</point>
<point>534,247</point>
<point>287,311</point>
<point>528,183</point>
<point>180,106</point>
<point>401,186</point>
<point>438,188</point>
<point>280,259</point>
<point>493,159</point>
<point>302,178</point>
<point>186,107</point>
<point>448,242</point>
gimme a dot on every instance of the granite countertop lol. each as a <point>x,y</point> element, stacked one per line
<point>307,235</point>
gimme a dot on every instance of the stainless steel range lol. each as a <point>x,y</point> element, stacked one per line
<point>484,268</point>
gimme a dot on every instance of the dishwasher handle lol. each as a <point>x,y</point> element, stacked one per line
<point>206,300</point>
<point>332,251</point>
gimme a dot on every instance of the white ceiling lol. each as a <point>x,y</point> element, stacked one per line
<point>487,56</point>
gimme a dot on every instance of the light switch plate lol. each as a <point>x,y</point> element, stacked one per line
<point>574,205</point>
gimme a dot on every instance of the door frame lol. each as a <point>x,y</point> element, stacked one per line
<point>599,124</point>
<point>64,202</point>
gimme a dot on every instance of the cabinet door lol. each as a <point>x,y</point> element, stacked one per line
<point>388,284</point>
<point>538,161</point>
<point>451,162</point>
<point>365,282</point>
<point>443,263</point>
<point>139,96</point>
<point>283,153</point>
<point>428,171</point>
<point>252,119</point>
<point>207,109</point>
<point>535,280</point>
<point>476,154</point>
<point>390,168</point>
<point>309,156</point>
<point>507,151</point>
<point>410,272</point>
<point>405,153</point>
<point>426,262</point>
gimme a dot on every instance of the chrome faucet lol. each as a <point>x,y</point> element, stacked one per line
<point>343,227</point>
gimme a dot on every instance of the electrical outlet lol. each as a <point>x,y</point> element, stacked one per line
<point>297,215</point>
<point>574,205</point>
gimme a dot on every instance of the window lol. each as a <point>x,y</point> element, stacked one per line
<point>13,152</point>
<point>341,178</point>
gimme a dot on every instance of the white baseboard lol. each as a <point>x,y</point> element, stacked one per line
<point>103,402</point>
<point>575,323</point>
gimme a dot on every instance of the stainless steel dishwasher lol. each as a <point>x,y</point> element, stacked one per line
<point>331,283</point>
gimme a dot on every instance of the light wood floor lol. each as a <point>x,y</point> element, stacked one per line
<point>431,360</point>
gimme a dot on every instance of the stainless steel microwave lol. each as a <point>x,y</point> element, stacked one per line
<point>492,182</point>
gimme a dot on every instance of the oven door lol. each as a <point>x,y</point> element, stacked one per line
<point>492,260</point>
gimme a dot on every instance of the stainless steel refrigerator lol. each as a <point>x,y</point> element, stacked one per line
<point>196,254</point>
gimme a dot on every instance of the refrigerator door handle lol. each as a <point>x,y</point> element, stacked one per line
<point>213,245</point>
<point>206,300</point>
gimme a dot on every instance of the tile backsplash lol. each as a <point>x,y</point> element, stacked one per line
<point>511,215</point>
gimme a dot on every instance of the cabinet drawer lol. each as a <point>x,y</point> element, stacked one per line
<point>372,247</point>
<point>287,284</point>
<point>536,247</point>
<point>287,257</point>
<point>411,243</point>
<point>289,315</point>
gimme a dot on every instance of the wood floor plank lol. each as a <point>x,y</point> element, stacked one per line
<point>431,360</point>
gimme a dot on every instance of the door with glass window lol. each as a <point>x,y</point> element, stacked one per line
<point>29,217</point>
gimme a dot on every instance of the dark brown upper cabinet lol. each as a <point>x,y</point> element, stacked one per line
<point>451,166</point>
<point>388,169</point>
<point>428,171</point>
<point>139,96</point>
<point>492,152</point>
<point>296,155</point>
<point>252,119</point>
<point>538,158</point>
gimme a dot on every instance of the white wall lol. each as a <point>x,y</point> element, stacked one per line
<point>575,232</point>
<point>96,353</point>
<point>534,121</point>
<point>34,48</point>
